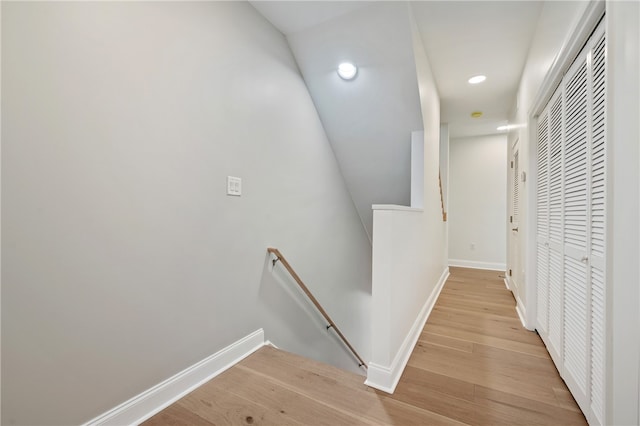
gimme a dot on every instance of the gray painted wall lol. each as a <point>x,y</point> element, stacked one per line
<point>369,119</point>
<point>123,259</point>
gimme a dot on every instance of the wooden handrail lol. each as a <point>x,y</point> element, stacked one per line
<point>296,277</point>
<point>444,213</point>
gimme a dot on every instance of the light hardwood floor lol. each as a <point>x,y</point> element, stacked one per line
<point>474,364</point>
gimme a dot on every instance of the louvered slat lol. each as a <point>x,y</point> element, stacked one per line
<point>543,288</point>
<point>556,297</point>
<point>575,322</point>
<point>555,170</point>
<point>543,176</point>
<point>542,222</point>
<point>516,187</point>
<point>575,174</point>
<point>598,153</point>
<point>597,343</point>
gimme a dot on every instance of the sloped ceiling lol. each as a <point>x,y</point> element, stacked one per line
<point>369,120</point>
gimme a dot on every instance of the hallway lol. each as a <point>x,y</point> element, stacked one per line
<point>473,364</point>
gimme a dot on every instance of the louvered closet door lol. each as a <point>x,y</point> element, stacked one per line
<point>597,222</point>
<point>576,291</point>
<point>556,229</point>
<point>542,226</point>
<point>571,226</point>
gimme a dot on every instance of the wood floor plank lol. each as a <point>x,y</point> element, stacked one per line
<point>223,408</point>
<point>177,415</point>
<point>482,324</point>
<point>268,392</point>
<point>446,341</point>
<point>363,402</point>
<point>552,413</point>
<point>473,364</point>
<point>433,334</point>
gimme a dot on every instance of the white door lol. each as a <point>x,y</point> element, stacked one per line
<point>554,340</point>
<point>542,226</point>
<point>576,236</point>
<point>571,226</point>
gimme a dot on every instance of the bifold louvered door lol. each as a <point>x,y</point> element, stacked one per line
<point>550,227</point>
<point>542,225</point>
<point>570,227</point>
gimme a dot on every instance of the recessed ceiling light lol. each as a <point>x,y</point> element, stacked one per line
<point>347,71</point>
<point>501,128</point>
<point>476,114</point>
<point>477,79</point>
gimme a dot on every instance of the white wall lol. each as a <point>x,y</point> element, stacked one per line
<point>623,110</point>
<point>123,259</point>
<point>417,169</point>
<point>444,163</point>
<point>478,202</point>
<point>555,23</point>
<point>408,251</point>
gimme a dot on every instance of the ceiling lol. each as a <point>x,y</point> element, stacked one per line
<point>369,120</point>
<point>461,39</point>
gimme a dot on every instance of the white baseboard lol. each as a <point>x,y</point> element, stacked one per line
<point>270,343</point>
<point>492,266</point>
<point>385,378</point>
<point>520,308</point>
<point>507,284</point>
<point>522,313</point>
<point>153,400</point>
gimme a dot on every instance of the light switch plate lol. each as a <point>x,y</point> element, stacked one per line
<point>234,186</point>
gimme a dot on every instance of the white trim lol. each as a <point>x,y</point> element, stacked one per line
<point>507,284</point>
<point>270,343</point>
<point>396,207</point>
<point>474,264</point>
<point>571,47</point>
<point>385,378</point>
<point>153,400</point>
<point>520,307</point>
<point>522,314</point>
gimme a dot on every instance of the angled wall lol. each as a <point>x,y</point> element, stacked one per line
<point>123,259</point>
<point>369,119</point>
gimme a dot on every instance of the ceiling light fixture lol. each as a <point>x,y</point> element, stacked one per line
<point>476,114</point>
<point>501,128</point>
<point>347,71</point>
<point>477,79</point>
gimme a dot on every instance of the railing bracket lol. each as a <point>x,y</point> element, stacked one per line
<point>274,261</point>
<point>329,326</point>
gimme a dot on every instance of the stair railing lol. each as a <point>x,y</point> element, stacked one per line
<point>305,289</point>
<point>444,213</point>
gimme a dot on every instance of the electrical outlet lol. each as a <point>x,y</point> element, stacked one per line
<point>234,186</point>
